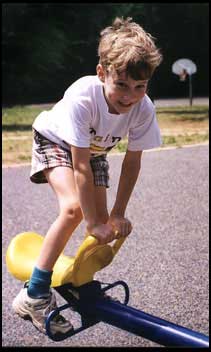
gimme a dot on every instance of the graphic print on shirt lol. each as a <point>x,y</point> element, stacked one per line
<point>96,148</point>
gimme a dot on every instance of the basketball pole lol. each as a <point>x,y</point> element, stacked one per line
<point>190,90</point>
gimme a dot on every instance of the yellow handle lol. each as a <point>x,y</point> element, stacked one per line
<point>118,243</point>
<point>92,242</point>
<point>89,243</point>
<point>90,258</point>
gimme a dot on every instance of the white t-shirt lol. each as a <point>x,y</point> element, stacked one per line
<point>81,118</point>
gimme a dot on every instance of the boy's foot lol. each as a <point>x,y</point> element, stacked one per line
<point>38,309</point>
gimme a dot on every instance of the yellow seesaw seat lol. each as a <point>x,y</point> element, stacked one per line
<point>91,257</point>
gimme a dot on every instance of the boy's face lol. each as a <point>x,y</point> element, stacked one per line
<point>121,91</point>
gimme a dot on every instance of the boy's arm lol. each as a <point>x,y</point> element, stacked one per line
<point>130,170</point>
<point>85,189</point>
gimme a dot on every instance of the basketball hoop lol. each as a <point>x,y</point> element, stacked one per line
<point>182,68</point>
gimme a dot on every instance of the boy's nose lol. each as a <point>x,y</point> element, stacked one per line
<point>127,99</point>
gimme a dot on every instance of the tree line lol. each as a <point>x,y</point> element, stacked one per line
<point>46,47</point>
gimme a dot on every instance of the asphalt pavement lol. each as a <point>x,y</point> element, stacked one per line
<point>164,261</point>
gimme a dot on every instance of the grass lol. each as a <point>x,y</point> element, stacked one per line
<point>20,118</point>
<point>179,126</point>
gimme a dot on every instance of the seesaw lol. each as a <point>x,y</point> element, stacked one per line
<point>73,279</point>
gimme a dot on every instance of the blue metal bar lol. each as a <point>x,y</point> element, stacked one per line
<point>59,336</point>
<point>89,301</point>
<point>145,325</point>
<point>119,283</point>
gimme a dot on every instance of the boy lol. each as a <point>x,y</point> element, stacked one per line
<point>69,152</point>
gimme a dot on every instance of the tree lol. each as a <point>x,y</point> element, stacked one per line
<point>46,46</point>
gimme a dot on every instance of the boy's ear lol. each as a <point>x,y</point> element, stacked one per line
<point>100,72</point>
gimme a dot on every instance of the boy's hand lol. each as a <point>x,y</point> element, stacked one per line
<point>103,232</point>
<point>121,224</point>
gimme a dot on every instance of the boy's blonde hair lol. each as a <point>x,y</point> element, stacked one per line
<point>126,47</point>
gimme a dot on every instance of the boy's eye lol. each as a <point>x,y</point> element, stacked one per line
<point>121,84</point>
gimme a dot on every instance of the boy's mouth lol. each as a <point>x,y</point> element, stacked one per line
<point>125,105</point>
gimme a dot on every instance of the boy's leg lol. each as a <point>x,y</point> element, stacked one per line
<point>35,299</point>
<point>62,182</point>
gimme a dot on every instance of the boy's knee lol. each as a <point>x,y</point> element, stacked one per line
<point>72,211</point>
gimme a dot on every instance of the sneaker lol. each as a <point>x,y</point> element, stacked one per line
<point>38,309</point>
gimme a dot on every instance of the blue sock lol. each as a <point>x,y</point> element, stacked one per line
<point>39,284</point>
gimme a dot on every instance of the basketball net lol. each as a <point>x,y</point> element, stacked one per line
<point>183,75</point>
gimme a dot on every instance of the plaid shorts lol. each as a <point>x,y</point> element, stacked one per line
<point>47,154</point>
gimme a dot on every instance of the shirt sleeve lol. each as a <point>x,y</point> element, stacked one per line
<point>77,126</point>
<point>145,134</point>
